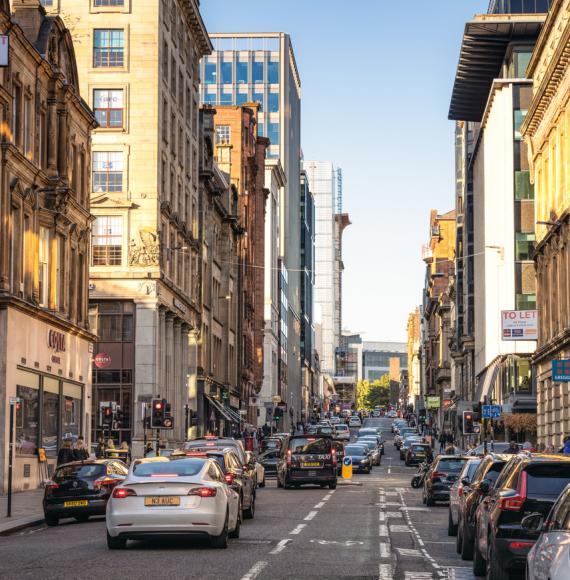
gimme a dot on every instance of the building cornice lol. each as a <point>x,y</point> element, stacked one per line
<point>192,12</point>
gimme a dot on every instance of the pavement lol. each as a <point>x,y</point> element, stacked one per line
<point>26,510</point>
<point>377,530</point>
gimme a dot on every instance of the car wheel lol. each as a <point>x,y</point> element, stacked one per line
<point>451,527</point>
<point>494,570</point>
<point>249,513</point>
<point>116,543</point>
<point>332,485</point>
<point>221,541</point>
<point>479,564</point>
<point>82,519</point>
<point>234,534</point>
<point>52,520</point>
<point>459,539</point>
<point>322,485</point>
<point>466,545</point>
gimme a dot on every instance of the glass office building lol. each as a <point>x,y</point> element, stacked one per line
<point>519,6</point>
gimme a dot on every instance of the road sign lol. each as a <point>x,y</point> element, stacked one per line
<point>491,411</point>
<point>347,468</point>
<point>276,399</point>
<point>561,371</point>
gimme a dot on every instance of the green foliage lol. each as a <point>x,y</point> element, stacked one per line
<point>369,395</point>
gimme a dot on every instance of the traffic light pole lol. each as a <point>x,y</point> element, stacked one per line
<point>157,442</point>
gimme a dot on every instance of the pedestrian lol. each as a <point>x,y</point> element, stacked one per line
<point>548,449</point>
<point>66,454</point>
<point>100,450</point>
<point>80,452</point>
<point>125,451</point>
<point>442,441</point>
<point>110,451</point>
<point>566,448</point>
<point>513,448</point>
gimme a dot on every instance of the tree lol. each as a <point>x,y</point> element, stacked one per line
<point>379,392</point>
<point>362,391</point>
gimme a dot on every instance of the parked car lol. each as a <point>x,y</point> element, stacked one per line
<point>213,441</point>
<point>549,558</point>
<point>418,453</point>
<point>374,449</point>
<point>373,438</point>
<point>271,443</point>
<point>307,459</point>
<point>492,447</point>
<point>178,495</point>
<point>360,454</point>
<point>440,477</point>
<point>406,445</point>
<point>529,483</point>
<point>81,489</point>
<point>342,432</point>
<point>482,481</point>
<point>257,467</point>
<point>269,460</point>
<point>457,493</point>
<point>402,434</point>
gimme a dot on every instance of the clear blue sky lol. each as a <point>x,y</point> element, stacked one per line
<point>376,78</point>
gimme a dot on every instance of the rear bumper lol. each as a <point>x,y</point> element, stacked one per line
<point>96,507</point>
<point>512,558</point>
<point>303,477</point>
<point>440,492</point>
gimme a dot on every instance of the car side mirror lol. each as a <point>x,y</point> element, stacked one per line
<point>485,487</point>
<point>533,522</point>
<point>465,481</point>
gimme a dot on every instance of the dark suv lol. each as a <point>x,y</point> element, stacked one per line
<point>529,483</point>
<point>474,492</point>
<point>441,476</point>
<point>308,459</point>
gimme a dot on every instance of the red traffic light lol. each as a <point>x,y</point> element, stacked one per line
<point>468,416</point>
<point>158,405</point>
<point>108,411</point>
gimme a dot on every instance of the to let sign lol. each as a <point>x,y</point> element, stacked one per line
<point>4,50</point>
<point>519,324</point>
<point>561,371</point>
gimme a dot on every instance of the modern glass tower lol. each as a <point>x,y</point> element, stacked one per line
<point>519,6</point>
<point>261,67</point>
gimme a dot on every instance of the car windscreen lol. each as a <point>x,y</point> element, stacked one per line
<point>547,478</point>
<point>342,427</point>
<point>450,465</point>
<point>494,471</point>
<point>308,445</point>
<point>355,450</point>
<point>471,468</point>
<point>175,468</point>
<point>79,472</point>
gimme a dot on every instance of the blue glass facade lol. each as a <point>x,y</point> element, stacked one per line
<point>519,6</point>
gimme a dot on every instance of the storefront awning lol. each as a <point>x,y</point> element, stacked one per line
<point>224,411</point>
<point>487,380</point>
<point>234,414</point>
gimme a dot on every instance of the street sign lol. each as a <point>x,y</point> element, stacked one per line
<point>433,402</point>
<point>491,411</point>
<point>561,371</point>
<point>276,399</point>
<point>4,49</point>
<point>347,468</point>
<point>15,400</point>
<point>519,324</point>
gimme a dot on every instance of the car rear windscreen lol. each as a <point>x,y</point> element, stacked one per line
<point>354,450</point>
<point>450,465</point>
<point>548,478</point>
<point>309,445</point>
<point>420,448</point>
<point>79,472</point>
<point>178,467</point>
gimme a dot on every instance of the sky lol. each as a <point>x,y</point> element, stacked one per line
<point>376,80</point>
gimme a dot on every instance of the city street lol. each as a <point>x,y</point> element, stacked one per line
<point>378,530</point>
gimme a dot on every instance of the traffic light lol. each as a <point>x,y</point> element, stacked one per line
<point>106,416</point>
<point>158,413</point>
<point>468,423</point>
<point>278,413</point>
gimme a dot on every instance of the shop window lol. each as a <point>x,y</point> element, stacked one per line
<point>27,415</point>
<point>50,416</point>
<point>71,411</point>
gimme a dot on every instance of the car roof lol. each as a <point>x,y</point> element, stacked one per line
<point>90,462</point>
<point>453,457</point>
<point>543,458</point>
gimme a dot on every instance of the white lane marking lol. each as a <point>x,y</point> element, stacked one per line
<point>414,509</point>
<point>381,517</point>
<point>389,466</point>
<point>347,544</point>
<point>399,529</point>
<point>382,530</point>
<point>297,530</point>
<point>384,548</point>
<point>326,498</point>
<point>459,573</point>
<point>393,504</point>
<point>394,515</point>
<point>410,552</point>
<point>319,505</point>
<point>255,571</point>
<point>432,542</point>
<point>385,572</point>
<point>280,546</point>
<point>310,516</point>
<point>418,576</point>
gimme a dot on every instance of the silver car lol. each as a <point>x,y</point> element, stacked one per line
<point>341,433</point>
<point>456,493</point>
<point>548,559</point>
<point>179,496</point>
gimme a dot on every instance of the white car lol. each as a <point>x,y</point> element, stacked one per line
<point>335,421</point>
<point>187,495</point>
<point>354,421</point>
<point>548,559</point>
<point>342,433</point>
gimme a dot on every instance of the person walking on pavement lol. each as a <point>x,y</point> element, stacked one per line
<point>566,448</point>
<point>80,452</point>
<point>66,454</point>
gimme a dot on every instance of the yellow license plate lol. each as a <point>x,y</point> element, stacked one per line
<point>158,500</point>
<point>312,464</point>
<point>76,503</point>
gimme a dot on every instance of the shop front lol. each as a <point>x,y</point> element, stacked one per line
<point>46,380</point>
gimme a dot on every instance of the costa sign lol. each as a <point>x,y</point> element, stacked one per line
<point>102,360</point>
<point>56,340</point>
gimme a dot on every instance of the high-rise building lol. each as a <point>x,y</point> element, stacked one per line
<point>261,68</point>
<point>45,339</point>
<point>144,292</point>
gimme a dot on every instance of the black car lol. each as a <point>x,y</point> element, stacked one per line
<point>529,483</point>
<point>418,453</point>
<point>307,459</point>
<point>487,471</point>
<point>81,489</point>
<point>269,460</point>
<point>361,458</point>
<point>271,444</point>
<point>235,476</point>
<point>441,476</point>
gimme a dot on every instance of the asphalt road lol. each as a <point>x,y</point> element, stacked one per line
<point>379,530</point>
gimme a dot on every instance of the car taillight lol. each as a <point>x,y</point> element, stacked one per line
<point>334,460</point>
<point>520,545</point>
<point>229,478</point>
<point>203,491</point>
<point>50,486</point>
<point>437,475</point>
<point>460,490</point>
<point>515,502</point>
<point>103,482</point>
<point>123,492</point>
<point>288,456</point>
